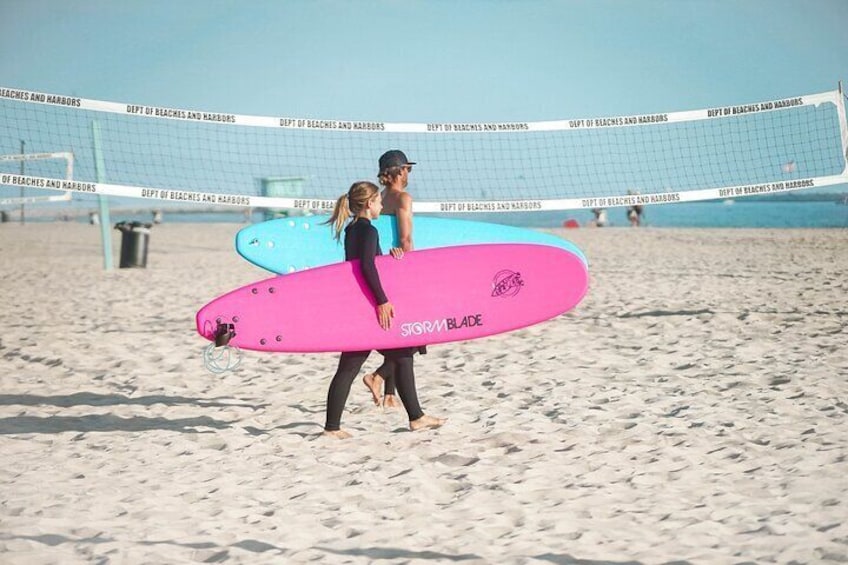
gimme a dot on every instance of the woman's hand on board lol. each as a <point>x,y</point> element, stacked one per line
<point>385,313</point>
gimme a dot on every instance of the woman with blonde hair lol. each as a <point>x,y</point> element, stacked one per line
<point>361,204</point>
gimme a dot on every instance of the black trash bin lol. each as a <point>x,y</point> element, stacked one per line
<point>134,239</point>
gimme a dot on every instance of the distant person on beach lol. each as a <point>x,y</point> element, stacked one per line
<point>363,202</point>
<point>394,169</point>
<point>634,213</point>
<point>600,219</point>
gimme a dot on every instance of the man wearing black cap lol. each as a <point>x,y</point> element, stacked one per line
<point>394,176</point>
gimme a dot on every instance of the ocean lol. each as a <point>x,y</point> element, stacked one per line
<point>709,214</point>
<point>714,214</point>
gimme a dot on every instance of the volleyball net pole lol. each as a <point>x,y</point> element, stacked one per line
<point>105,221</point>
<point>23,169</point>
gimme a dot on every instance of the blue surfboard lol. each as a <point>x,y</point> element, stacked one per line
<point>286,245</point>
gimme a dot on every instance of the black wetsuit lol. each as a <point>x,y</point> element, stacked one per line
<point>362,242</point>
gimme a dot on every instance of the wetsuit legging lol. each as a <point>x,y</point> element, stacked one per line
<point>387,371</point>
<point>362,242</point>
<point>351,362</point>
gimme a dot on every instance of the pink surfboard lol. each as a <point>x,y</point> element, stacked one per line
<point>439,295</point>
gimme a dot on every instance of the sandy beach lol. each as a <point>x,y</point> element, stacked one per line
<point>692,409</point>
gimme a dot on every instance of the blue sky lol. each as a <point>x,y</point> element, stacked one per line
<point>434,60</point>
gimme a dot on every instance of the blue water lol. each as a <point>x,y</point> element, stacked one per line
<point>710,214</point>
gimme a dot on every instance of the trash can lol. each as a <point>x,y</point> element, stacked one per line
<point>134,239</point>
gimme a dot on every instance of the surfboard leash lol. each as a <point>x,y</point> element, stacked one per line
<point>220,357</point>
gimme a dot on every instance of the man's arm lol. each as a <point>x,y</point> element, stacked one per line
<point>404,221</point>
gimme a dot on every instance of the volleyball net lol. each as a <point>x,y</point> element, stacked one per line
<point>213,158</point>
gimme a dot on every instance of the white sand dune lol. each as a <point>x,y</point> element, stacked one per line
<point>692,409</point>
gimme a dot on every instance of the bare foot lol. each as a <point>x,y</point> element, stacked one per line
<point>337,434</point>
<point>374,382</point>
<point>391,401</point>
<point>425,422</point>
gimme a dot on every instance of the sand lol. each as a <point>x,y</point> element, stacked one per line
<point>692,409</point>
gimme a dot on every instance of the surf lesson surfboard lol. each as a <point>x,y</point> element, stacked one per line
<point>286,245</point>
<point>439,295</point>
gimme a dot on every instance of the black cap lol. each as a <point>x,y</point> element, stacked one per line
<point>393,158</point>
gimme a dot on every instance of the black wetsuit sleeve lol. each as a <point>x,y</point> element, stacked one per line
<point>369,250</point>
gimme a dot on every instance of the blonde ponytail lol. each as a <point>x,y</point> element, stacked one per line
<point>341,212</point>
<point>350,204</point>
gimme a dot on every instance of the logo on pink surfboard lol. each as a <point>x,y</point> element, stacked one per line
<point>506,283</point>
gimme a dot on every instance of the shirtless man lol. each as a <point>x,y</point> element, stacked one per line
<point>394,176</point>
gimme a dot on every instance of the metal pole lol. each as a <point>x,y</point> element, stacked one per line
<point>23,145</point>
<point>105,222</point>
